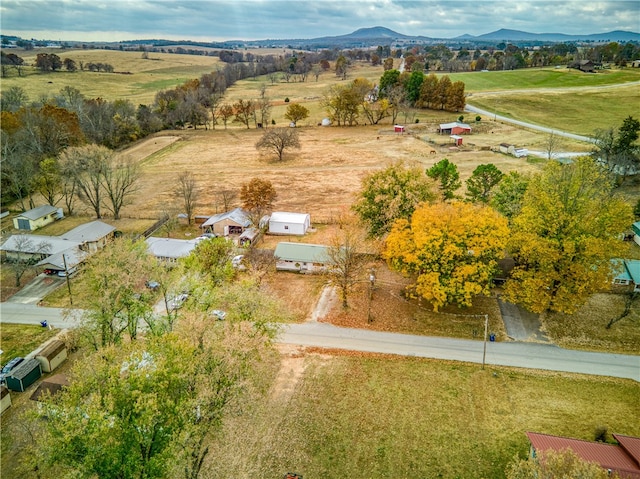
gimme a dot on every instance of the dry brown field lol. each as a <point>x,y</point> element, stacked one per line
<point>323,176</point>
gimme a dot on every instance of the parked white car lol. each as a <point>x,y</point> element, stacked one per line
<point>177,301</point>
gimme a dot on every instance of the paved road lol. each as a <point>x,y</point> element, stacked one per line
<point>532,126</point>
<point>31,314</point>
<point>518,354</point>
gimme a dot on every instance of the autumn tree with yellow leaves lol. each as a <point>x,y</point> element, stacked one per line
<point>452,249</point>
<point>565,236</point>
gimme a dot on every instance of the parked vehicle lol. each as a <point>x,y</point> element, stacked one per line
<point>152,285</point>
<point>236,262</point>
<point>219,314</point>
<point>177,301</point>
<point>10,366</point>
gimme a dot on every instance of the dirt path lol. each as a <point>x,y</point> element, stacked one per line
<point>327,300</point>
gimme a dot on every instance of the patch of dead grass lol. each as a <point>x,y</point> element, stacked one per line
<point>586,329</point>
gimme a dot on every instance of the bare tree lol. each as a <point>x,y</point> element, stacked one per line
<point>27,254</point>
<point>279,139</point>
<point>346,258</point>
<point>227,198</point>
<point>264,105</point>
<point>552,144</point>
<point>119,180</point>
<point>188,191</point>
<point>86,164</point>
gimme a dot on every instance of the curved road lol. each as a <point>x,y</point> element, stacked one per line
<point>533,126</point>
<point>517,354</point>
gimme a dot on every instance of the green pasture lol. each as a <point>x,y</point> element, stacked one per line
<point>541,78</point>
<point>381,417</point>
<point>577,111</point>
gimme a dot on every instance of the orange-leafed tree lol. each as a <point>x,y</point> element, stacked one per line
<point>452,250</point>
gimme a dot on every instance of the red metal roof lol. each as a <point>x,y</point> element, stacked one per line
<point>609,456</point>
<point>629,444</point>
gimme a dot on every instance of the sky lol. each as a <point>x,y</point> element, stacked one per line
<point>216,20</point>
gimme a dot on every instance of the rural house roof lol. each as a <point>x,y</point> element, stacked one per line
<point>285,217</point>
<point>237,216</point>
<point>623,458</point>
<point>626,269</point>
<point>636,227</point>
<point>38,212</point>
<point>169,247</point>
<point>57,244</point>
<point>88,232</point>
<point>73,256</point>
<point>455,124</point>
<point>302,252</point>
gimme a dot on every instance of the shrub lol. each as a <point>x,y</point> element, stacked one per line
<point>286,100</point>
<point>478,118</point>
<point>461,118</point>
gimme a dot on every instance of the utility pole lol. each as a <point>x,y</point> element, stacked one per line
<point>66,271</point>
<point>372,282</point>
<point>486,328</point>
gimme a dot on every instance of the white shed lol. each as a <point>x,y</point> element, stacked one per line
<point>52,355</point>
<point>283,223</point>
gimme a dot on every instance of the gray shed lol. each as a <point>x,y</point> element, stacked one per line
<point>52,355</point>
<point>28,372</point>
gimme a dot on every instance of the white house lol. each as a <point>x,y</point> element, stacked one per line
<point>301,257</point>
<point>283,223</point>
<point>232,222</point>
<point>636,232</point>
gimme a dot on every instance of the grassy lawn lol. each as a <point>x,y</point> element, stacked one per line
<point>20,339</point>
<point>364,416</point>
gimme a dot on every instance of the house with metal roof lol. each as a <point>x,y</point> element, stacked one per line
<point>93,236</point>
<point>301,257</point>
<point>26,246</point>
<point>37,217</point>
<point>285,223</point>
<point>170,249</point>
<point>232,222</point>
<point>627,272</point>
<point>636,232</point>
<point>623,458</point>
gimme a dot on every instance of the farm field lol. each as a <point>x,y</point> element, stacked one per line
<point>335,414</point>
<point>137,79</point>
<point>323,176</point>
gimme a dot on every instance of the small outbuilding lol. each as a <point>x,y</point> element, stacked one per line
<point>232,222</point>
<point>301,257</point>
<point>457,140</point>
<point>249,237</point>
<point>285,223</point>
<point>398,128</point>
<point>52,355</point>
<point>5,399</point>
<point>37,217</point>
<point>23,376</point>
<point>50,386</point>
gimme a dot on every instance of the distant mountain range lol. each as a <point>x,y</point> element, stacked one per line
<point>374,36</point>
